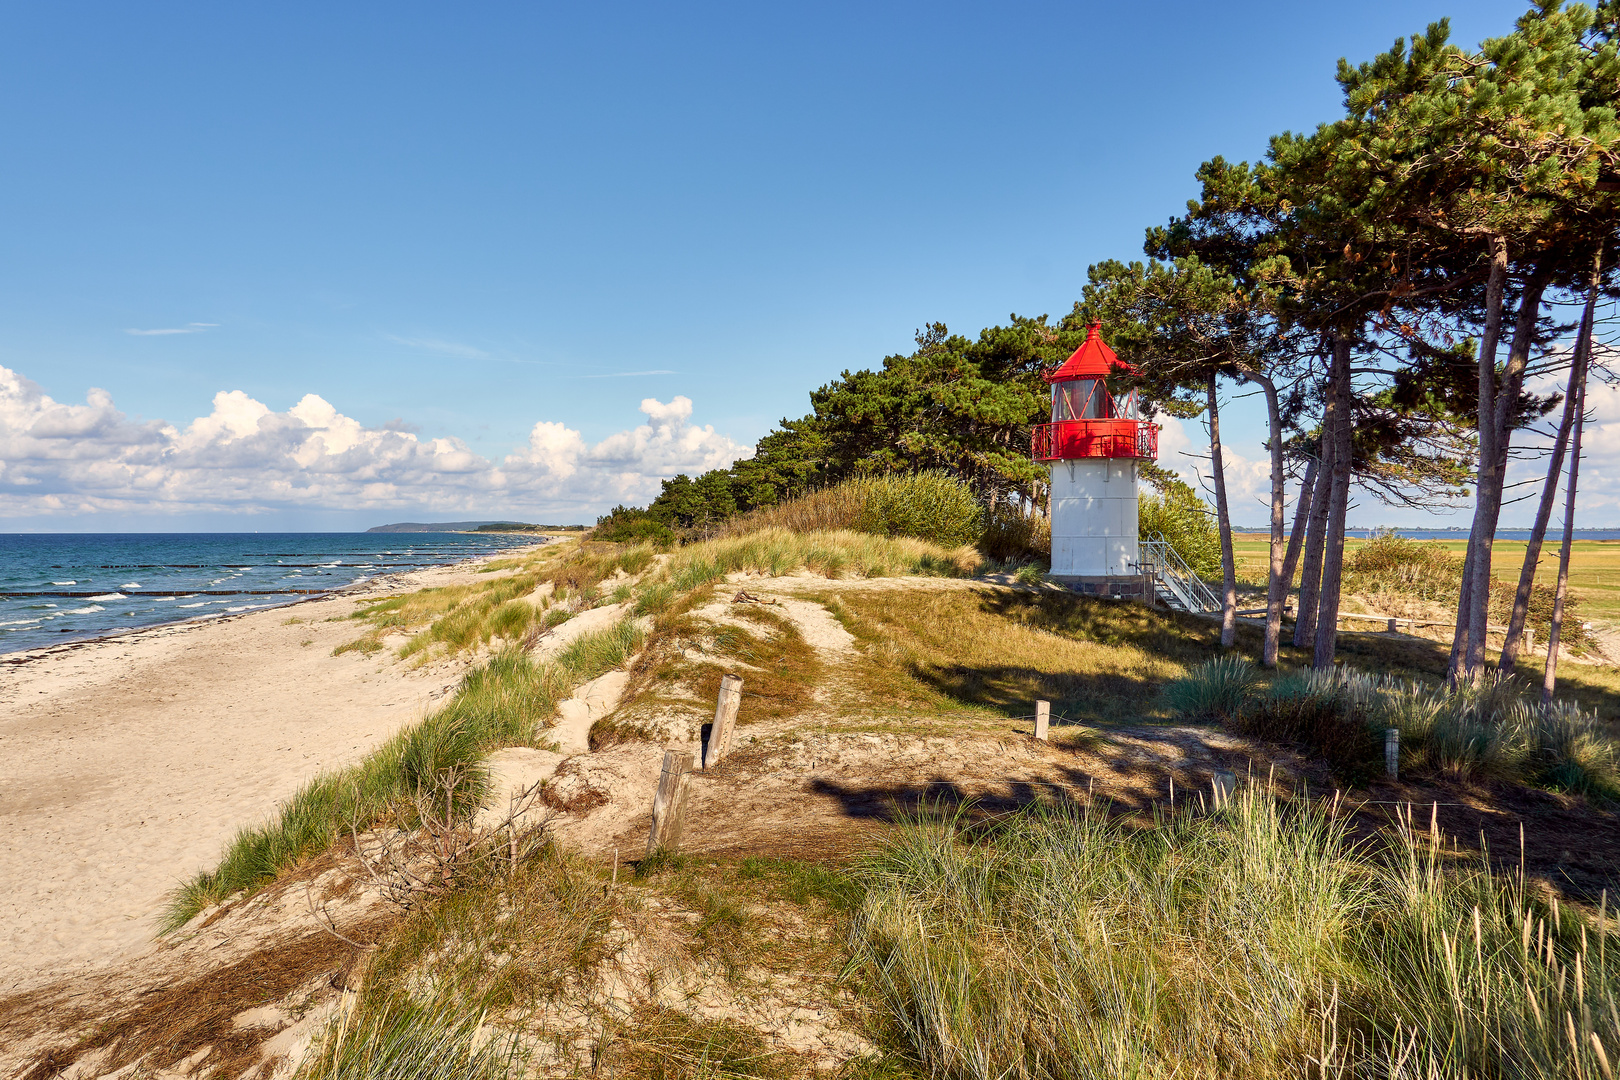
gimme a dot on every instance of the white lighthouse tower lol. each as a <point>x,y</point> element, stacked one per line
<point>1093,444</point>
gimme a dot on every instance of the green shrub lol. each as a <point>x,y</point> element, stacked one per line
<point>932,506</point>
<point>1390,563</point>
<point>1317,713</point>
<point>1013,536</point>
<point>1217,689</point>
<point>1183,519</point>
<point>1423,570</point>
<point>626,524</point>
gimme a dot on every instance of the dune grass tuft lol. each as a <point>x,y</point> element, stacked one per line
<point>842,553</point>
<point>461,618</point>
<point>1217,689</point>
<point>929,505</point>
<point>507,702</point>
<point>1493,729</point>
<point>1256,942</point>
<point>436,1041</point>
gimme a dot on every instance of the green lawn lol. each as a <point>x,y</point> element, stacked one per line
<point>1594,573</point>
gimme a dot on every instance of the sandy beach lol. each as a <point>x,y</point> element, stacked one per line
<point>127,763</point>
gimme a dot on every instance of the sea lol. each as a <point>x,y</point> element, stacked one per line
<point>62,587</point>
<point>1555,534</point>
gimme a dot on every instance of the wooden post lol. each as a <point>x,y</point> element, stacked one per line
<point>1043,719</point>
<point>1221,786</point>
<point>669,804</point>
<point>1392,752</point>
<point>725,720</point>
<point>1529,641</point>
<point>1392,626</point>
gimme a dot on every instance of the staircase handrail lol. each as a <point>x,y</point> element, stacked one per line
<point>1172,570</point>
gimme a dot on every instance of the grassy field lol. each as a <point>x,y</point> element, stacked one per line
<point>1594,572</point>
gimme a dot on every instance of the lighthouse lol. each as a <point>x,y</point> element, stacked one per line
<point>1093,443</point>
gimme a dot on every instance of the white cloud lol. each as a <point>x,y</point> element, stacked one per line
<point>63,459</point>
<point>1598,498</point>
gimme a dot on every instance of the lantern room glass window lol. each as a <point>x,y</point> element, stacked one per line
<point>1088,399</point>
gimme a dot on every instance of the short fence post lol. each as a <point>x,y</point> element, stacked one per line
<point>1392,752</point>
<point>1392,626</point>
<point>725,720</point>
<point>1529,641</point>
<point>1221,786</point>
<point>669,804</point>
<point>1043,719</point>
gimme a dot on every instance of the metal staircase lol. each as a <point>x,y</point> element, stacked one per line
<point>1174,584</point>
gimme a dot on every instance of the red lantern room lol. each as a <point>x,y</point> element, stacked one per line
<point>1087,420</point>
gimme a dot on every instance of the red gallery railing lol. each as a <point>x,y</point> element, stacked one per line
<point>1069,439</point>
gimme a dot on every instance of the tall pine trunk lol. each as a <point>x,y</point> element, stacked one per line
<point>1223,520</point>
<point>1338,421</point>
<point>1296,533</point>
<point>1277,581</point>
<point>1549,681</point>
<point>1488,498</point>
<point>1310,583</point>
<point>1486,428</point>
<point>1549,488</point>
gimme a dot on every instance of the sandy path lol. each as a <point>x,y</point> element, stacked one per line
<point>127,764</point>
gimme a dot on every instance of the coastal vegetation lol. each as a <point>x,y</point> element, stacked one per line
<point>1489,731</point>
<point>507,702</point>
<point>1057,938</point>
<point>1260,940</point>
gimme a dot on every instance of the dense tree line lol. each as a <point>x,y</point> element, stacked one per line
<point>1388,282</point>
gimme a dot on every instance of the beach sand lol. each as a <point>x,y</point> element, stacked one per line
<point>126,764</point>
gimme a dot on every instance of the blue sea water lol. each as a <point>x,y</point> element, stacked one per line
<point>1555,535</point>
<point>57,587</point>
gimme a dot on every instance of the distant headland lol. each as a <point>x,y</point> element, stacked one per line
<point>470,526</point>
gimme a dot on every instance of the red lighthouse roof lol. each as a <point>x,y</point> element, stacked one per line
<point>1092,360</point>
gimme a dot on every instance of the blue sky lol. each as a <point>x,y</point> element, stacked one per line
<point>462,221</point>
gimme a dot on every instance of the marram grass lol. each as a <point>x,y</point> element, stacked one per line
<point>843,553</point>
<point>412,1041</point>
<point>507,702</point>
<point>1258,941</point>
<point>930,505</point>
<point>1493,729</point>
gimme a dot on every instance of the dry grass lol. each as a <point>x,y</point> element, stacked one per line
<point>1001,651</point>
<point>1594,572</point>
<point>548,588</point>
<point>678,674</point>
<point>173,1021</point>
<point>776,551</point>
<point>567,974</point>
<point>931,506</point>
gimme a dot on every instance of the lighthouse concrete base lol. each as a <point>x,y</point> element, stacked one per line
<point>1094,518</point>
<point>1137,587</point>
